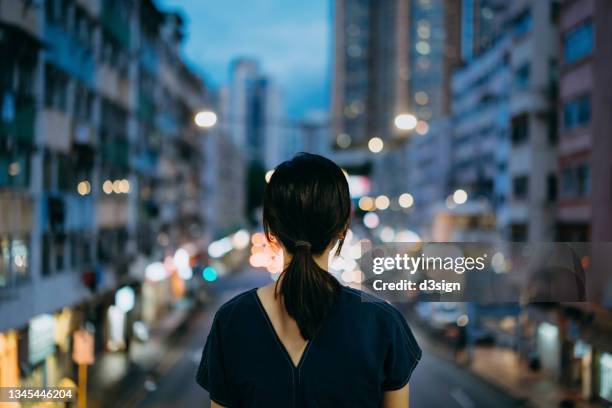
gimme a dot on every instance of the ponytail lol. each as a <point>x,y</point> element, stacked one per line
<point>307,290</point>
<point>306,207</point>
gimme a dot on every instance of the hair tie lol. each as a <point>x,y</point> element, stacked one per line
<point>304,244</point>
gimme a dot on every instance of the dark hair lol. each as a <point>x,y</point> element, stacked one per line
<point>306,206</point>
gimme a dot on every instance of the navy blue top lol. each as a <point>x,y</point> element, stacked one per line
<point>364,347</point>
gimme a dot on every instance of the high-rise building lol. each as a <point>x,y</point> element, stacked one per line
<point>253,112</point>
<point>480,130</point>
<point>391,57</point>
<point>481,23</point>
<point>368,84</point>
<point>99,167</point>
<point>584,145</point>
<point>532,159</point>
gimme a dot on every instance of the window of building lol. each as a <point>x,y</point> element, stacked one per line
<point>582,179</point>
<point>551,188</point>
<point>14,259</point>
<point>15,169</point>
<point>56,88</point>
<point>520,129</point>
<point>577,112</point>
<point>578,43</point>
<point>576,180</point>
<point>518,232</point>
<point>522,24</point>
<point>57,12</point>
<point>83,28</point>
<point>47,267</point>
<point>568,181</point>
<point>521,76</point>
<point>83,102</point>
<point>520,187</point>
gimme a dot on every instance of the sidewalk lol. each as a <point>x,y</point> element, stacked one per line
<point>504,369</point>
<point>107,377</point>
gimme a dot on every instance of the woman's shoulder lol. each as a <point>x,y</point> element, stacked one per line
<point>378,315</point>
<point>236,307</point>
<point>364,302</point>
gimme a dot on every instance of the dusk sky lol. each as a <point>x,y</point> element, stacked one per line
<point>290,39</point>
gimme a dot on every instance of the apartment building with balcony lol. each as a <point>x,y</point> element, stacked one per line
<point>584,149</point>
<point>99,164</point>
<point>533,130</point>
<point>481,129</point>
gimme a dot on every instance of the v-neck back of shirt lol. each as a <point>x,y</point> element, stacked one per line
<point>277,337</point>
<point>363,349</point>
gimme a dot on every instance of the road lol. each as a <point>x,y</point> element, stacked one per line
<point>437,382</point>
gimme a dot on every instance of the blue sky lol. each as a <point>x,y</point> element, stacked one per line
<point>291,39</point>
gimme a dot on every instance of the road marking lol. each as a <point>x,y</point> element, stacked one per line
<point>462,398</point>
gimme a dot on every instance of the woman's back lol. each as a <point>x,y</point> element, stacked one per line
<point>363,348</point>
<point>306,341</point>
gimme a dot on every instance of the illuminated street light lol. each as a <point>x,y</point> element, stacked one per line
<point>343,140</point>
<point>371,220</point>
<point>460,196</point>
<point>366,203</point>
<point>268,175</point>
<point>405,121</point>
<point>107,187</point>
<point>406,200</point>
<point>382,202</point>
<point>422,127</point>
<point>205,119</point>
<point>376,145</point>
<point>84,187</point>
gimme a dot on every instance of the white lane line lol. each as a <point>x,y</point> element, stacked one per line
<point>462,398</point>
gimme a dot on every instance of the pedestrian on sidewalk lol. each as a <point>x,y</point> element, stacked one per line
<point>306,340</point>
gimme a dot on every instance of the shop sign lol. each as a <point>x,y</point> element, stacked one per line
<point>83,347</point>
<point>605,390</point>
<point>41,336</point>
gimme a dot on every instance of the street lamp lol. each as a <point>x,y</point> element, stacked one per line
<point>205,119</point>
<point>375,144</point>
<point>460,196</point>
<point>405,121</point>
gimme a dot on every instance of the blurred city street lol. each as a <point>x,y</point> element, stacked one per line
<point>172,383</point>
<point>137,138</point>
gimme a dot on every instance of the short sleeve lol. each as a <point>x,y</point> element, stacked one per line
<point>212,371</point>
<point>403,354</point>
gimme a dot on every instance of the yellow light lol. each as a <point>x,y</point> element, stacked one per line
<point>124,186</point>
<point>421,98</point>
<point>117,186</point>
<point>382,202</point>
<point>376,145</point>
<point>405,121</point>
<point>107,187</point>
<point>258,239</point>
<point>423,47</point>
<point>406,200</point>
<point>268,175</point>
<point>422,127</point>
<point>366,203</point>
<point>205,119</point>
<point>460,196</point>
<point>14,169</point>
<point>83,188</point>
